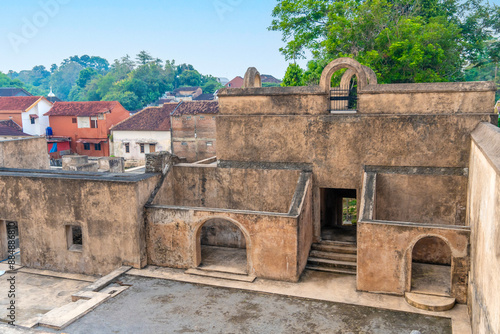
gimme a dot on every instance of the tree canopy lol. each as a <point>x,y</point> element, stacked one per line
<point>401,40</point>
<point>134,84</point>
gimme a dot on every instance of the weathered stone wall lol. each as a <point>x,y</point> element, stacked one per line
<point>483,218</point>
<point>385,256</point>
<point>174,240</point>
<point>109,212</point>
<point>25,153</point>
<point>425,199</point>
<point>229,188</point>
<point>219,232</point>
<point>428,98</point>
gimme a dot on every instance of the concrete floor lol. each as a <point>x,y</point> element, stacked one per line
<point>431,279</point>
<point>37,294</point>
<point>225,259</point>
<point>163,306</point>
<point>345,233</point>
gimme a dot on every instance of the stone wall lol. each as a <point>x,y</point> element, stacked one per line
<point>109,212</point>
<point>25,153</point>
<point>207,186</point>
<point>425,199</point>
<point>483,218</point>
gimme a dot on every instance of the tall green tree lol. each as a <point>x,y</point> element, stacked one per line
<point>402,40</point>
<point>294,76</point>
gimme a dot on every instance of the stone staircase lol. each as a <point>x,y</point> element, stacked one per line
<point>333,256</point>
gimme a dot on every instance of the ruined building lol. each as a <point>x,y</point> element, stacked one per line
<point>401,181</point>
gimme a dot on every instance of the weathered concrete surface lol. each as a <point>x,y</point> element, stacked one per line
<point>109,211</point>
<point>385,256</point>
<point>36,295</point>
<point>166,306</point>
<point>274,101</point>
<point>428,98</point>
<point>483,218</point>
<point>29,153</point>
<point>229,188</point>
<point>425,199</point>
<point>271,241</point>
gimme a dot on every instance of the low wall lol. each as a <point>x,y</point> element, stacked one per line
<point>277,244</point>
<point>109,212</point>
<point>25,153</point>
<point>385,256</point>
<point>206,186</point>
<point>426,199</point>
<point>483,218</point>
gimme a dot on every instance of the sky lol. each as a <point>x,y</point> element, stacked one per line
<point>218,37</point>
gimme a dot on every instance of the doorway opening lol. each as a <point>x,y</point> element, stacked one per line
<point>9,242</point>
<point>223,247</point>
<point>338,214</point>
<point>431,267</point>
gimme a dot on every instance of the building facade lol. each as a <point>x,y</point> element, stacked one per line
<point>147,131</point>
<point>194,129</point>
<point>28,112</point>
<point>87,124</point>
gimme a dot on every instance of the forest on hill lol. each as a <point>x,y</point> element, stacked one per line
<point>135,83</point>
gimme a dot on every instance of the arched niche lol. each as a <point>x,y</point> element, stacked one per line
<point>252,78</point>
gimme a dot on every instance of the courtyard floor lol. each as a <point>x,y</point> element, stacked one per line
<point>166,300</point>
<point>162,306</point>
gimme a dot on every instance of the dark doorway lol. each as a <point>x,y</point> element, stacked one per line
<point>9,243</point>
<point>338,214</point>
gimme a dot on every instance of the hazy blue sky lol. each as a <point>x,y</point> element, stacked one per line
<point>218,37</point>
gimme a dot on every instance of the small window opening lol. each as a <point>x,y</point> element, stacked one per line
<point>32,120</point>
<point>74,237</point>
<point>73,120</point>
<point>142,148</point>
<point>97,147</point>
<point>86,146</point>
<point>127,148</point>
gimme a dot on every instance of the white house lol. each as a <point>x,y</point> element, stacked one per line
<point>145,132</point>
<point>27,112</point>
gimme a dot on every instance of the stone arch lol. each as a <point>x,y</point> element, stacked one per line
<point>439,240</point>
<point>252,78</point>
<point>196,240</point>
<point>341,63</point>
<point>346,78</point>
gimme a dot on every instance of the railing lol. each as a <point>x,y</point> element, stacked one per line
<point>343,99</point>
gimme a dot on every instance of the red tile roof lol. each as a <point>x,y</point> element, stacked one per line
<point>10,128</point>
<point>18,102</point>
<point>197,107</point>
<point>235,83</point>
<point>83,109</point>
<point>149,119</point>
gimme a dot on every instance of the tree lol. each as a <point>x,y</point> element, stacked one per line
<point>294,76</point>
<point>402,40</point>
<point>143,58</point>
<point>63,80</point>
<point>85,76</point>
<point>189,78</point>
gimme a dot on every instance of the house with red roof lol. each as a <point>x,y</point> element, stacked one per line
<point>11,130</point>
<point>87,124</point>
<point>235,83</point>
<point>145,132</point>
<point>193,130</point>
<point>27,112</point>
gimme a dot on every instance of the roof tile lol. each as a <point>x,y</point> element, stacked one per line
<point>83,109</point>
<point>17,102</point>
<point>149,119</point>
<point>197,107</point>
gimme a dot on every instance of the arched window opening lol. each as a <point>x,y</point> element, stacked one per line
<point>223,247</point>
<point>431,267</point>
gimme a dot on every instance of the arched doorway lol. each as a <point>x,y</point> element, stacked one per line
<point>223,247</point>
<point>431,267</point>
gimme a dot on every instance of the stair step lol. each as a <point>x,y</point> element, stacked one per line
<point>430,302</point>
<point>333,256</point>
<point>331,263</point>
<point>332,270</point>
<point>220,274</point>
<point>335,247</point>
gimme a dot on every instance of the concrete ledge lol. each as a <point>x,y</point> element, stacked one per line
<point>410,170</point>
<point>104,281</point>
<point>435,87</point>
<point>487,137</point>
<point>89,176</point>
<point>273,91</point>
